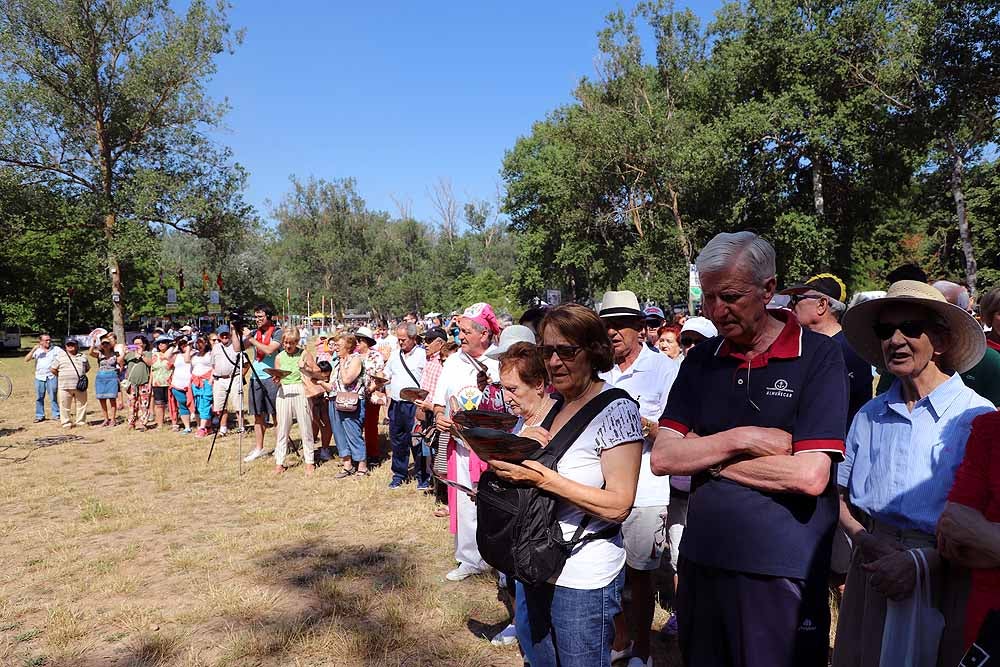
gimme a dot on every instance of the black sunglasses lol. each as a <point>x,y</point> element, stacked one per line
<point>564,352</point>
<point>909,328</point>
<point>798,298</point>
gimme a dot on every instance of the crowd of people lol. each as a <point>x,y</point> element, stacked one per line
<point>775,448</point>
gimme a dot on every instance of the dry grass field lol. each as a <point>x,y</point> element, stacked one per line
<point>127,549</point>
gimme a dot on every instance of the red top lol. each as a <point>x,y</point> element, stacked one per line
<point>992,343</point>
<point>977,485</point>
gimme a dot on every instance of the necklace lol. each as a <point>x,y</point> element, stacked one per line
<point>543,410</point>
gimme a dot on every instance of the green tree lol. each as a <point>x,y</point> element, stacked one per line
<point>104,102</point>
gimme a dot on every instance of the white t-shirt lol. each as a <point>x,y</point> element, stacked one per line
<point>201,363</point>
<point>43,362</point>
<point>399,378</point>
<point>458,379</point>
<point>596,563</point>
<point>648,381</point>
<point>181,377</point>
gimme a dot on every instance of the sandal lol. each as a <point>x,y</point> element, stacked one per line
<point>441,512</point>
<point>362,473</point>
<point>346,472</point>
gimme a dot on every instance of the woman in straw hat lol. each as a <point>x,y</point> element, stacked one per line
<point>902,453</point>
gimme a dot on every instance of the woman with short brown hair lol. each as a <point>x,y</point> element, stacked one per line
<point>572,619</point>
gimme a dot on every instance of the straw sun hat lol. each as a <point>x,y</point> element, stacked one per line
<point>967,340</point>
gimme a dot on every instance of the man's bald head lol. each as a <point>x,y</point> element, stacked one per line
<point>954,293</point>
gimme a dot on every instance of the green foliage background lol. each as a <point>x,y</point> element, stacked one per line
<point>840,130</point>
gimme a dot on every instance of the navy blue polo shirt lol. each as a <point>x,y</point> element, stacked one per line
<point>799,385</point>
<point>860,380</point>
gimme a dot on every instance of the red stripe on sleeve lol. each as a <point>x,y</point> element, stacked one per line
<point>830,446</point>
<point>681,428</point>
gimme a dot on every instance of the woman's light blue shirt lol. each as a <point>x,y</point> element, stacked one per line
<point>900,465</point>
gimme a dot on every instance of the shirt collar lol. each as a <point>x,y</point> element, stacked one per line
<point>788,344</point>
<point>641,363</point>
<point>940,400</point>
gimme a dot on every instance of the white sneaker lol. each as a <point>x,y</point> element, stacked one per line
<point>622,654</point>
<point>253,455</point>
<point>461,572</point>
<point>506,637</point>
<point>639,662</point>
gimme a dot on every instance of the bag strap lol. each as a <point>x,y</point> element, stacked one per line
<point>561,443</point>
<point>568,434</point>
<point>402,358</point>
<point>73,364</point>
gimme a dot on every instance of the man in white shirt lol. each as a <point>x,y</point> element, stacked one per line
<point>647,376</point>
<point>457,390</point>
<point>404,369</point>
<point>43,355</point>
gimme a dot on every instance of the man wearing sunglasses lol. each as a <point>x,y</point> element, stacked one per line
<point>819,303</point>
<point>758,417</point>
<point>654,319</point>
<point>647,376</point>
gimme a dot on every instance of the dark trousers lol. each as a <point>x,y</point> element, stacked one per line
<point>401,418</point>
<point>736,619</point>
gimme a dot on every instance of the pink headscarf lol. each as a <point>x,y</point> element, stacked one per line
<point>482,313</point>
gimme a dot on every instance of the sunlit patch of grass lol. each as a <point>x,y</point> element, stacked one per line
<point>65,626</point>
<point>95,509</point>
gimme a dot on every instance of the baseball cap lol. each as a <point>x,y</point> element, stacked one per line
<point>824,283</point>
<point>701,325</point>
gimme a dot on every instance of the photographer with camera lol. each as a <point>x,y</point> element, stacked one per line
<point>264,342</point>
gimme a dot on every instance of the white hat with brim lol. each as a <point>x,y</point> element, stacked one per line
<point>366,334</point>
<point>621,304</point>
<point>967,340</point>
<point>509,337</point>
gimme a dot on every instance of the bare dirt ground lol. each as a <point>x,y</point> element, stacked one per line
<point>127,549</point>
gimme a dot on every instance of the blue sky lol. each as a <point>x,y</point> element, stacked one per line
<point>399,94</point>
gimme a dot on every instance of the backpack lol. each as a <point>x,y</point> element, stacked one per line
<point>517,530</point>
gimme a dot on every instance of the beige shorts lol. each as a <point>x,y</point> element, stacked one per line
<point>219,387</point>
<point>645,534</point>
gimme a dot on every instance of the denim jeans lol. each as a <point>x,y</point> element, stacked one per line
<point>571,627</point>
<point>43,387</point>
<point>521,622</point>
<point>347,432</point>
<point>401,417</point>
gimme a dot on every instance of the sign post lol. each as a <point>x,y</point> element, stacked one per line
<point>694,289</point>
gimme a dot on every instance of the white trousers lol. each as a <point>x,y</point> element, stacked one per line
<point>466,549</point>
<point>293,404</point>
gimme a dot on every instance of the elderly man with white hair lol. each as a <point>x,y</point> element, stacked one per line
<point>757,415</point>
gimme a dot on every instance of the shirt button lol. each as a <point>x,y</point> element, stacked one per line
<point>740,381</point>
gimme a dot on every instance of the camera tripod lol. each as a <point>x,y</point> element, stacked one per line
<point>269,406</point>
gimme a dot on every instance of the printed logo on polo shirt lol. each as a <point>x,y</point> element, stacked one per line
<point>779,388</point>
<point>807,626</point>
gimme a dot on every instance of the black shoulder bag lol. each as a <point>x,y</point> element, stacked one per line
<point>517,530</point>
<point>82,381</point>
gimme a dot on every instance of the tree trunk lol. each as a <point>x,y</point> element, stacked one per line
<point>117,298</point>
<point>819,203</point>
<point>957,192</point>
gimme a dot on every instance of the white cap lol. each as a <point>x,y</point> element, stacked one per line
<point>513,334</point>
<point>700,325</point>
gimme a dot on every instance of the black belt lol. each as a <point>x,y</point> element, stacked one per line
<point>222,377</point>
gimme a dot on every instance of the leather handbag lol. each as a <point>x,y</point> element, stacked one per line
<point>347,401</point>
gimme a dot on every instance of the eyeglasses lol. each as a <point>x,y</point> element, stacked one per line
<point>564,352</point>
<point>909,328</point>
<point>653,324</point>
<point>688,342</point>
<point>797,298</point>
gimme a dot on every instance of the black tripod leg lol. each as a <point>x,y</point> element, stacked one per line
<point>225,402</point>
